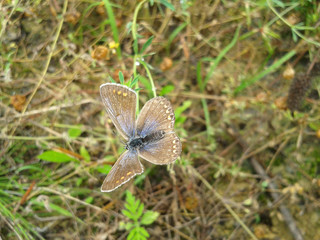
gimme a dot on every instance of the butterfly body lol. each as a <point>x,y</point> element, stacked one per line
<point>151,136</point>
<point>139,142</point>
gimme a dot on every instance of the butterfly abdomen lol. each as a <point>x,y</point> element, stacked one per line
<point>139,142</point>
<point>153,137</point>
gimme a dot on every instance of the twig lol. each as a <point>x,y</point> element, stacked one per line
<point>44,110</point>
<point>272,187</point>
<point>67,196</point>
<point>174,229</point>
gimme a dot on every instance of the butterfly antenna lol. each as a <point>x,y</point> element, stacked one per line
<point>114,132</point>
<point>121,140</point>
<point>124,144</point>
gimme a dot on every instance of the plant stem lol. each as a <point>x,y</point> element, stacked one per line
<point>150,78</point>
<point>113,25</point>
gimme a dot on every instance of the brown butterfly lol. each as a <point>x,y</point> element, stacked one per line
<point>151,136</point>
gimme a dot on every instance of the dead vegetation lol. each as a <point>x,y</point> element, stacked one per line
<point>242,78</point>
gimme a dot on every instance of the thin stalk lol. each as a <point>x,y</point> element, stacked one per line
<point>292,27</point>
<point>134,36</point>
<point>113,25</point>
<point>150,78</point>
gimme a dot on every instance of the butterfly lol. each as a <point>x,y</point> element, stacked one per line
<point>150,137</point>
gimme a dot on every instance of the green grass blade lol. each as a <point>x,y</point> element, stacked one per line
<point>113,25</point>
<point>174,34</point>
<point>146,44</point>
<point>168,5</point>
<point>248,82</point>
<point>218,59</point>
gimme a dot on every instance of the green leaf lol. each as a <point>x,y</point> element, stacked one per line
<point>149,217</point>
<point>138,89</point>
<point>75,132</point>
<point>174,33</point>
<point>135,47</point>
<point>128,226</point>
<point>132,234</point>
<point>179,110</point>
<point>264,184</point>
<point>29,167</point>
<point>139,211</point>
<point>89,200</point>
<point>103,169</point>
<point>180,120</point>
<point>146,83</point>
<point>60,210</point>
<point>167,4</point>
<point>129,27</point>
<point>121,78</point>
<point>111,79</point>
<point>122,225</point>
<point>314,125</point>
<point>143,231</point>
<point>278,3</point>
<point>79,182</point>
<point>134,81</point>
<point>294,36</point>
<point>146,44</point>
<point>128,214</point>
<point>54,207</point>
<point>167,89</point>
<point>129,197</point>
<point>129,207</point>
<point>85,154</point>
<point>52,156</point>
<point>136,205</point>
<point>134,208</point>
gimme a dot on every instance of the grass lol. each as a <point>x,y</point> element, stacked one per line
<point>246,161</point>
<point>113,25</point>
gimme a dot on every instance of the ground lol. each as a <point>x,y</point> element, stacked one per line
<point>243,81</point>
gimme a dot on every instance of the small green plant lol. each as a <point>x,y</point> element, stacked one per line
<point>134,210</point>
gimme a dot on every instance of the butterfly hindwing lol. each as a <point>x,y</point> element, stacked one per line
<point>163,151</point>
<point>120,103</point>
<point>126,167</point>
<point>157,116</point>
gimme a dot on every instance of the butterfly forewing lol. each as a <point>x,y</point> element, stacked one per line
<point>120,103</point>
<point>157,114</point>
<point>163,151</point>
<point>126,167</point>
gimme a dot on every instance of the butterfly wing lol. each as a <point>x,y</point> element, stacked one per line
<point>157,114</point>
<point>126,167</point>
<point>120,103</point>
<point>163,151</point>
